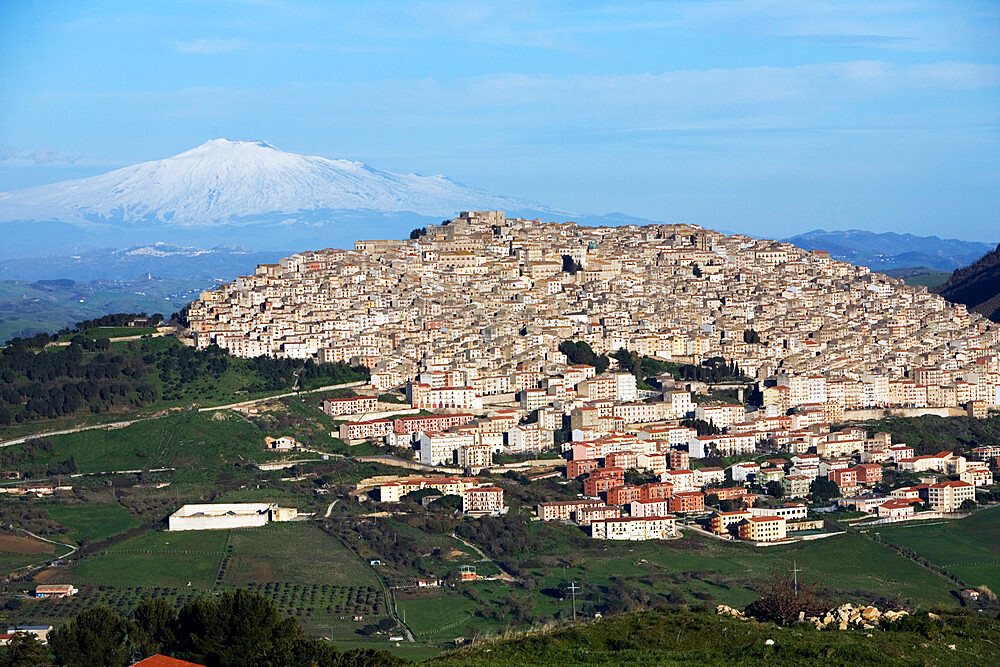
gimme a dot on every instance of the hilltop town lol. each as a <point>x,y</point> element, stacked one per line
<point>481,304</point>
<point>503,419</point>
<point>527,337</point>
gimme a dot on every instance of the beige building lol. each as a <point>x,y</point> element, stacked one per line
<point>634,528</point>
<point>949,496</point>
<point>224,516</point>
<point>763,529</point>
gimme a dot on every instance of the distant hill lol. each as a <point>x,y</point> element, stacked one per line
<point>890,250</point>
<point>919,275</point>
<point>977,285</point>
<point>28,308</point>
<point>161,260</point>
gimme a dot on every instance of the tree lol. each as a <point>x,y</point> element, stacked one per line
<point>629,361</point>
<point>418,232</point>
<point>240,628</point>
<point>97,636</point>
<point>823,490</point>
<point>712,499</point>
<point>156,620</point>
<point>751,336</point>
<point>775,489</point>
<point>24,650</point>
<point>570,265</point>
<point>782,602</point>
<point>580,352</point>
<point>968,504</point>
<point>696,270</point>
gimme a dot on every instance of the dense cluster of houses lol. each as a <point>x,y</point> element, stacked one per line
<point>472,312</point>
<point>478,499</point>
<point>467,319</point>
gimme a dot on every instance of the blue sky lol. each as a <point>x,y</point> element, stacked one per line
<point>771,117</point>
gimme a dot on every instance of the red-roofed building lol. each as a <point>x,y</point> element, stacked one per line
<point>868,473</point>
<point>656,491</point>
<point>482,500</point>
<point>591,513</point>
<point>763,529</point>
<point>603,480</point>
<point>575,468</point>
<point>623,495</point>
<point>165,661</point>
<point>687,501</point>
<point>949,496</point>
<point>351,405</point>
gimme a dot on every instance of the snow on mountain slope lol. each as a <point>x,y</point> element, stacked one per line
<point>242,181</point>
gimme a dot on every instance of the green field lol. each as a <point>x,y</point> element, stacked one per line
<point>930,279</point>
<point>156,559</point>
<point>694,570</point>
<point>293,552</point>
<point>309,574</point>
<point>10,561</point>
<point>967,548</point>
<point>27,308</point>
<point>440,617</point>
<point>723,572</point>
<point>93,521</point>
<point>196,444</point>
<point>682,637</point>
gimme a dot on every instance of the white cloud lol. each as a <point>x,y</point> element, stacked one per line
<point>212,46</point>
<point>38,156</point>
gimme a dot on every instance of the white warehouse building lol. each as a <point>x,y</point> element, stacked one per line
<point>222,516</point>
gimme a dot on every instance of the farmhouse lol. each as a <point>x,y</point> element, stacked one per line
<point>222,516</point>
<point>285,443</point>
<point>55,591</point>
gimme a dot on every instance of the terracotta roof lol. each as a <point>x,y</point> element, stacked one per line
<point>165,661</point>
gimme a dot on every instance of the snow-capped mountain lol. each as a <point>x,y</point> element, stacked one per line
<point>225,181</point>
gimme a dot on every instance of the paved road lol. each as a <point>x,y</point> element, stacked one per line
<point>330,509</point>
<point>78,429</point>
<point>504,574</point>
<point>254,401</point>
<point>46,563</point>
<point>129,422</point>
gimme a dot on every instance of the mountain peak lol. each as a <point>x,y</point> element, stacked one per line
<point>222,142</point>
<point>232,181</point>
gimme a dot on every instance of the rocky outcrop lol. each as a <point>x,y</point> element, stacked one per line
<point>844,617</point>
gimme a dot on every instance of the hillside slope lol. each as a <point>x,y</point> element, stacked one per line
<point>977,285</point>
<point>890,250</point>
<point>680,637</point>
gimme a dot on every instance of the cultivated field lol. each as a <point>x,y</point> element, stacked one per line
<point>968,548</point>
<point>92,521</point>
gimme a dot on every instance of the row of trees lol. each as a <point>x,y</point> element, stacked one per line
<point>84,375</point>
<point>112,320</point>
<point>713,370</point>
<point>237,629</point>
<point>90,375</point>
<point>580,352</point>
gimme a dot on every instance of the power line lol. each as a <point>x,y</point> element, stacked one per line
<point>795,576</point>
<point>573,589</point>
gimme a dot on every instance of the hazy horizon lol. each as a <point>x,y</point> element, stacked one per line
<point>770,119</point>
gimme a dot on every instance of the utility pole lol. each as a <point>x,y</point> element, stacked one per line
<point>795,576</point>
<point>573,588</point>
